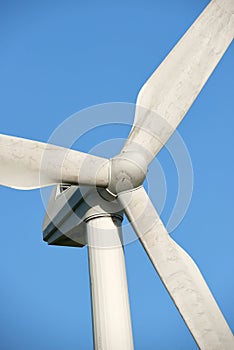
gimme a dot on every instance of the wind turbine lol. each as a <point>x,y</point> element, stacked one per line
<point>161,105</point>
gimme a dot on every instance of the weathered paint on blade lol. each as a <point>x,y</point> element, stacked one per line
<point>179,273</point>
<point>171,90</point>
<point>27,164</point>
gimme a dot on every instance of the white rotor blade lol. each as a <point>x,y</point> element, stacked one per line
<point>27,164</point>
<point>179,274</point>
<point>169,93</point>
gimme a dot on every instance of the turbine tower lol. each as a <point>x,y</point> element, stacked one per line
<point>94,193</point>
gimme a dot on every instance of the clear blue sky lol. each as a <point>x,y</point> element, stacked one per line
<point>58,57</point>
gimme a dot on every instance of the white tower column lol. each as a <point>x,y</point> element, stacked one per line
<point>109,291</point>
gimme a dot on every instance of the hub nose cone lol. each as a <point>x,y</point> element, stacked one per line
<point>127,171</point>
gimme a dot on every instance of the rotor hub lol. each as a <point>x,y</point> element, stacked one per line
<point>127,171</point>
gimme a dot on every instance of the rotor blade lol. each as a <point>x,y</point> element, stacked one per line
<point>166,97</point>
<point>27,164</point>
<point>179,274</point>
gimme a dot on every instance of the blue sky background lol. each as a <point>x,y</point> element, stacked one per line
<point>58,57</point>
